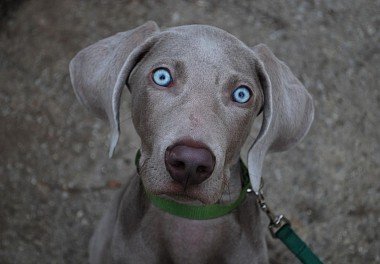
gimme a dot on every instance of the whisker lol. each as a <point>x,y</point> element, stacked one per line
<point>126,119</point>
<point>229,190</point>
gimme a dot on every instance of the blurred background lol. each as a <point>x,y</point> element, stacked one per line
<point>56,180</point>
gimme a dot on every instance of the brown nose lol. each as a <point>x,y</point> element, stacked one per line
<point>188,165</point>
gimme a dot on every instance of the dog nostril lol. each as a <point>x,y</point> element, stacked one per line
<point>201,169</point>
<point>178,164</point>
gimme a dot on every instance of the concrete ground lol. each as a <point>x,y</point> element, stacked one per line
<point>56,179</point>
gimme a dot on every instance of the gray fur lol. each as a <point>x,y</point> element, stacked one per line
<point>206,64</point>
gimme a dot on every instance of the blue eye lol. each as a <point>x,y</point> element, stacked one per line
<point>162,77</point>
<point>241,95</point>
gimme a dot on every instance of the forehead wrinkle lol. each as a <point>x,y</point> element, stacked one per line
<point>223,58</point>
<point>229,73</point>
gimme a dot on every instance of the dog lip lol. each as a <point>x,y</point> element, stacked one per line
<point>176,193</point>
<point>183,198</point>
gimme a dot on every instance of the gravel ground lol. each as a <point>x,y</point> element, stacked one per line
<point>56,179</point>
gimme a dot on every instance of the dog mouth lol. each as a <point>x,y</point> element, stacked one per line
<point>192,195</point>
<point>183,198</point>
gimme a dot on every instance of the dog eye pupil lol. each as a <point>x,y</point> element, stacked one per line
<point>241,95</point>
<point>162,77</point>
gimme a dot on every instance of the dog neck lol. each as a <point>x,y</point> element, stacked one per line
<point>185,239</point>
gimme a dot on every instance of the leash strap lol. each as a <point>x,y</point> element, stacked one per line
<point>296,245</point>
<point>279,226</point>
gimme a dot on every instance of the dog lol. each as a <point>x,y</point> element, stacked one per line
<point>196,91</point>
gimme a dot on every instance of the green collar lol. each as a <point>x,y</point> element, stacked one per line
<point>198,212</point>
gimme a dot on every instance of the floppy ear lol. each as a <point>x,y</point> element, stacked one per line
<point>99,72</point>
<point>287,115</point>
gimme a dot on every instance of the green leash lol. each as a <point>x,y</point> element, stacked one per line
<point>279,226</point>
<point>295,244</point>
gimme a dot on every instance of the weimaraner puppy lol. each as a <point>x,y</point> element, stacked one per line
<point>196,91</point>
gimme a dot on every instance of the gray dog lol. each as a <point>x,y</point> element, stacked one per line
<point>196,91</point>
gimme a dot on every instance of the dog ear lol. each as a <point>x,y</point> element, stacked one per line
<point>99,72</point>
<point>287,115</point>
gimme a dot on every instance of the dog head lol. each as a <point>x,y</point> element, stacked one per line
<point>196,91</point>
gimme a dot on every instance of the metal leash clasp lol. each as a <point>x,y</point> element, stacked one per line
<point>275,221</point>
